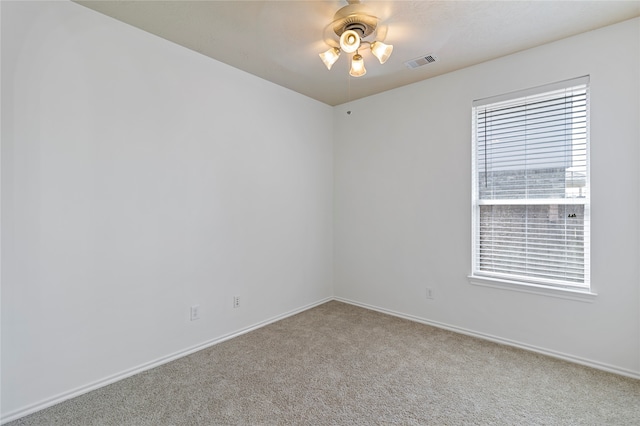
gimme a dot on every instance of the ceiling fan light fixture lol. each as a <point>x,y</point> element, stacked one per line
<point>330,57</point>
<point>381,51</point>
<point>357,66</point>
<point>355,25</point>
<point>349,41</point>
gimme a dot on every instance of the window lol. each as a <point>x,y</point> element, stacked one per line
<point>531,187</point>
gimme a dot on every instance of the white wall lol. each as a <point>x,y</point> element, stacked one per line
<point>140,178</point>
<point>402,202</point>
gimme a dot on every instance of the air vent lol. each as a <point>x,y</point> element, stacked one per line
<point>421,61</point>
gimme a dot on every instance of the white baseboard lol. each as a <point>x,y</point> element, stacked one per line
<point>543,351</point>
<point>41,405</point>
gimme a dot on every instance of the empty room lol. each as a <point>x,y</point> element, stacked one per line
<point>320,212</point>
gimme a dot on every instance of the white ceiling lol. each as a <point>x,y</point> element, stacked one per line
<point>280,40</point>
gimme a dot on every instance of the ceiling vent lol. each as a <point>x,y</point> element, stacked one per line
<point>421,61</point>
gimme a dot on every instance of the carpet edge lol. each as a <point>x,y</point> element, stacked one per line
<point>543,351</point>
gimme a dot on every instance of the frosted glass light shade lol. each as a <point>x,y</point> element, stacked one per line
<point>381,51</point>
<point>349,41</point>
<point>357,66</point>
<point>330,57</point>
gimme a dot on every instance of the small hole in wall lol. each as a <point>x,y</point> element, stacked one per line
<point>348,112</point>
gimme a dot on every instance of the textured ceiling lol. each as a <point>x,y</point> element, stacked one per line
<point>280,40</point>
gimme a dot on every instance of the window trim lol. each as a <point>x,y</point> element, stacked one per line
<point>524,287</point>
<point>581,293</point>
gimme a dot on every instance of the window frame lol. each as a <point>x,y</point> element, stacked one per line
<point>582,291</point>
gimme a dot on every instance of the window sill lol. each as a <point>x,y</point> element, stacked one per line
<point>562,293</point>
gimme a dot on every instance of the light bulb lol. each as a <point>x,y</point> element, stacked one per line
<point>381,51</point>
<point>357,66</point>
<point>349,41</point>
<point>330,57</point>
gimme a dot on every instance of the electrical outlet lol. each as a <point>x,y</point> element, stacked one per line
<point>236,301</point>
<point>429,293</point>
<point>195,312</point>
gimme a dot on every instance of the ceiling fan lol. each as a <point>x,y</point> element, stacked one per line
<point>356,28</point>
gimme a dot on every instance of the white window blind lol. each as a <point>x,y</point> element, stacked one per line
<point>531,186</point>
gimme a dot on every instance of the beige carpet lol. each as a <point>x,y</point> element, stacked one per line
<point>338,364</point>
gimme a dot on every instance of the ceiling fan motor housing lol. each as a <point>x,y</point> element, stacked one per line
<point>354,17</point>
